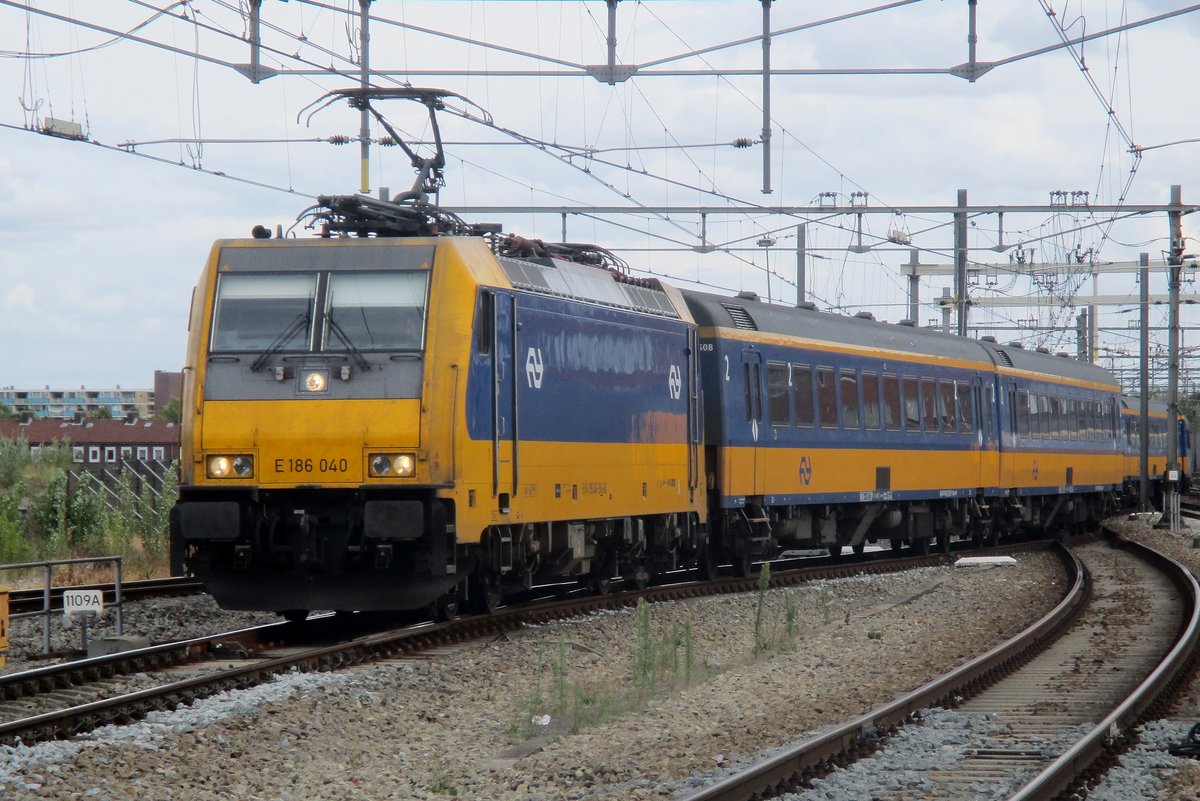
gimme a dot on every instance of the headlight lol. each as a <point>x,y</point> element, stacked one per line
<point>241,466</point>
<point>400,465</point>
<point>314,381</point>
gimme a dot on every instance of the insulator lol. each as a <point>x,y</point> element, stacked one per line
<point>339,139</point>
<point>387,141</point>
<point>743,142</point>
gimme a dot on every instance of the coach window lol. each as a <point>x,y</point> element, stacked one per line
<point>946,406</point>
<point>1056,427</point>
<point>891,402</point>
<point>777,394</point>
<point>1072,418</point>
<point>753,383</point>
<point>850,414</point>
<point>929,399</point>
<point>966,412</point>
<point>1023,412</point>
<point>802,389</point>
<point>826,397</point>
<point>870,389</point>
<point>912,404</point>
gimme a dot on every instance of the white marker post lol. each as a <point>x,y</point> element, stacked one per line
<point>83,603</point>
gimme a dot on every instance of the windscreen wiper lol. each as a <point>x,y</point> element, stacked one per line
<point>284,337</point>
<point>359,359</point>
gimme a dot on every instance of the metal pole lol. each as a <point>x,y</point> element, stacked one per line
<point>612,42</point>
<point>801,256</point>
<point>945,310</point>
<point>1174,270</point>
<point>255,39</point>
<point>46,610</point>
<point>960,261</point>
<point>1093,321</point>
<point>364,120</point>
<point>972,38</point>
<point>766,129</point>
<point>914,287</point>
<point>117,593</point>
<point>1144,412</point>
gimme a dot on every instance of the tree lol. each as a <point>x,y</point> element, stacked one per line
<point>170,411</point>
<point>6,412</point>
<point>100,413</point>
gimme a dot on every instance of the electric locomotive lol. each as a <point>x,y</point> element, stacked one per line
<point>394,422</point>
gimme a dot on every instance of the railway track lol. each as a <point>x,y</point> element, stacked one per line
<point>1026,726</point>
<point>58,701</point>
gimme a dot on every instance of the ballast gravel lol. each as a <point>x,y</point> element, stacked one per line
<point>504,719</point>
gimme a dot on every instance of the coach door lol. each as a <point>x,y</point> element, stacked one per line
<point>981,395</point>
<point>752,395</point>
<point>695,421</point>
<point>1008,434</point>
<point>504,401</point>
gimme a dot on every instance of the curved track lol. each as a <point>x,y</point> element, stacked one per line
<point>1055,719</point>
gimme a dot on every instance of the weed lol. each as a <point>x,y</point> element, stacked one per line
<point>761,641</point>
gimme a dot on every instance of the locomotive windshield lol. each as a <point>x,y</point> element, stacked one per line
<point>274,313</point>
<point>376,311</point>
<point>259,311</point>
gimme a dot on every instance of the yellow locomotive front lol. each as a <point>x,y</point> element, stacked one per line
<point>310,472</point>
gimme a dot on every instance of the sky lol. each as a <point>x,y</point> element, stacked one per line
<point>101,240</point>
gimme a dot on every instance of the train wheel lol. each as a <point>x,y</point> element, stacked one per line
<point>859,547</point>
<point>922,545</point>
<point>295,615</point>
<point>486,596</point>
<point>896,543</point>
<point>835,550</point>
<point>943,542</point>
<point>743,564</point>
<point>601,576</point>
<point>445,609</point>
<point>709,567</point>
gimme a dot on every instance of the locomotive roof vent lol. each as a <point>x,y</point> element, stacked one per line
<point>741,317</point>
<point>1020,345</point>
<point>864,315</point>
<point>1004,357</point>
<point>1043,349</point>
<point>988,338</point>
<point>747,294</point>
<point>806,304</point>
<point>1063,354</point>
<point>909,323</point>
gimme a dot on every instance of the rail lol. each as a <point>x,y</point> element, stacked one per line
<point>1115,730</point>
<point>47,609</point>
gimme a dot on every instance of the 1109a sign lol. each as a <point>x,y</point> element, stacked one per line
<point>82,602</point>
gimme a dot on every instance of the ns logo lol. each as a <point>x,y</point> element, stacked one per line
<point>675,382</point>
<point>806,471</point>
<point>534,368</point>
